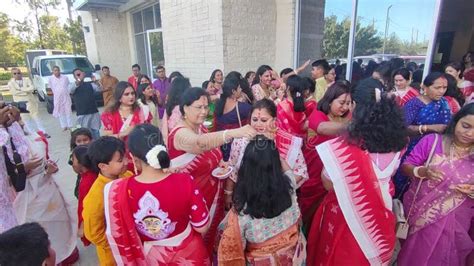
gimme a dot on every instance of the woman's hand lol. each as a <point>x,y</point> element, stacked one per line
<point>284,165</point>
<point>51,167</point>
<point>33,163</point>
<point>427,172</point>
<point>244,132</point>
<point>467,189</point>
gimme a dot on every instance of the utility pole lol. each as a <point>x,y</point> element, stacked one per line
<point>387,22</point>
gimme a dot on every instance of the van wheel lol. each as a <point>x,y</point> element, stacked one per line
<point>41,99</point>
<point>49,107</point>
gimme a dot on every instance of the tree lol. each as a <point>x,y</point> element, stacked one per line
<point>336,38</point>
<point>13,48</point>
<point>37,6</point>
<point>76,36</point>
<point>53,35</point>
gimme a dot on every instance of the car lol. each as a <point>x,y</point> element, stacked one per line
<point>42,69</point>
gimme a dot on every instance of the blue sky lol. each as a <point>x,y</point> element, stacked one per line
<point>405,15</point>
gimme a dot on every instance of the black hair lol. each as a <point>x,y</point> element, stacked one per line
<point>266,104</point>
<point>140,94</point>
<point>105,67</point>
<point>244,84</point>
<point>396,63</point>
<point>309,84</point>
<point>175,74</point>
<point>365,90</point>
<point>285,71</point>
<point>82,131</point>
<point>456,66</point>
<point>296,89</point>
<point>159,67</point>
<point>24,245</point>
<point>384,69</point>
<point>333,92</point>
<point>453,90</point>
<point>378,127</point>
<point>248,74</point>
<point>192,94</point>
<point>145,76</point>
<point>262,189</point>
<point>137,66</point>
<point>323,63</point>
<point>432,77</point>
<point>213,75</point>
<point>405,73</point>
<point>118,93</point>
<point>260,71</point>
<point>142,139</point>
<point>412,66</point>
<point>103,149</point>
<point>466,110</point>
<point>81,154</point>
<point>370,68</point>
<point>177,89</point>
<point>205,84</point>
<point>230,85</point>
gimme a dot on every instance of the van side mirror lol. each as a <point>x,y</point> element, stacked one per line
<point>97,67</point>
<point>34,71</point>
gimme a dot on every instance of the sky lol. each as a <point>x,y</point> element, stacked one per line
<point>405,15</point>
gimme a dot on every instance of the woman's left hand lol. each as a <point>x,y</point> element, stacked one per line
<point>51,167</point>
<point>284,165</point>
<point>467,189</point>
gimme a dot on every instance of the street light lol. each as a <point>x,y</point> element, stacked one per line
<point>387,22</point>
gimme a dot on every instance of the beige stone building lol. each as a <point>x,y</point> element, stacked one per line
<point>198,36</point>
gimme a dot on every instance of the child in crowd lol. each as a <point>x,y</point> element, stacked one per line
<point>81,164</point>
<point>107,155</point>
<point>26,244</point>
<point>80,136</point>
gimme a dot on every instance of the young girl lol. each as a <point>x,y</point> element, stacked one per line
<point>82,166</point>
<point>148,99</point>
<point>80,136</point>
<point>162,215</point>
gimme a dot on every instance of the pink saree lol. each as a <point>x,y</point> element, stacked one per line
<point>441,217</point>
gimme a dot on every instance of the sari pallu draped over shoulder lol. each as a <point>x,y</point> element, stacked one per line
<point>289,120</point>
<point>360,199</point>
<point>200,166</point>
<point>286,248</point>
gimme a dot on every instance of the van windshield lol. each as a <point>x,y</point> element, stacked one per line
<point>66,65</point>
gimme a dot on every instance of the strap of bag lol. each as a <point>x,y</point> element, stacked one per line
<point>435,143</point>
<point>238,113</point>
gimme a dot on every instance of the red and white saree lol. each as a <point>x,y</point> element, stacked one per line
<point>356,223</point>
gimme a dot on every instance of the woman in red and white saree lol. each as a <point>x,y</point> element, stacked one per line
<point>356,223</point>
<point>291,115</point>
<point>194,151</point>
<point>402,90</point>
<point>327,122</point>
<point>124,114</point>
<point>155,218</point>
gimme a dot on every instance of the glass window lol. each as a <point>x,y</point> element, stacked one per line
<point>66,65</point>
<point>148,18</point>
<point>156,47</point>
<point>157,16</point>
<point>141,52</point>
<point>137,22</point>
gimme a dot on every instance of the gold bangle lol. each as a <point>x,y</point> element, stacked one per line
<point>420,129</point>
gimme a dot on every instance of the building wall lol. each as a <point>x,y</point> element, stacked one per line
<point>285,34</point>
<point>108,40</point>
<point>192,37</point>
<point>249,34</point>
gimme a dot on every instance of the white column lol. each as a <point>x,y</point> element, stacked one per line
<point>350,50</point>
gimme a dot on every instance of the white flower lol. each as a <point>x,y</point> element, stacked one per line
<point>194,207</point>
<point>152,156</point>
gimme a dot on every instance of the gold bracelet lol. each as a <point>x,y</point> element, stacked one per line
<point>420,129</point>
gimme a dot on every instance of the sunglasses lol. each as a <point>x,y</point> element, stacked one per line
<point>17,73</point>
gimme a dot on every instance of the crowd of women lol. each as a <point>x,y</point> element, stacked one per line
<point>260,170</point>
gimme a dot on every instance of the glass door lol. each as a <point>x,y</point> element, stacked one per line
<point>155,53</point>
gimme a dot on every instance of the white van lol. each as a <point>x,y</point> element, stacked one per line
<point>42,69</point>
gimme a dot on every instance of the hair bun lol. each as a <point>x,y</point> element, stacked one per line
<point>158,157</point>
